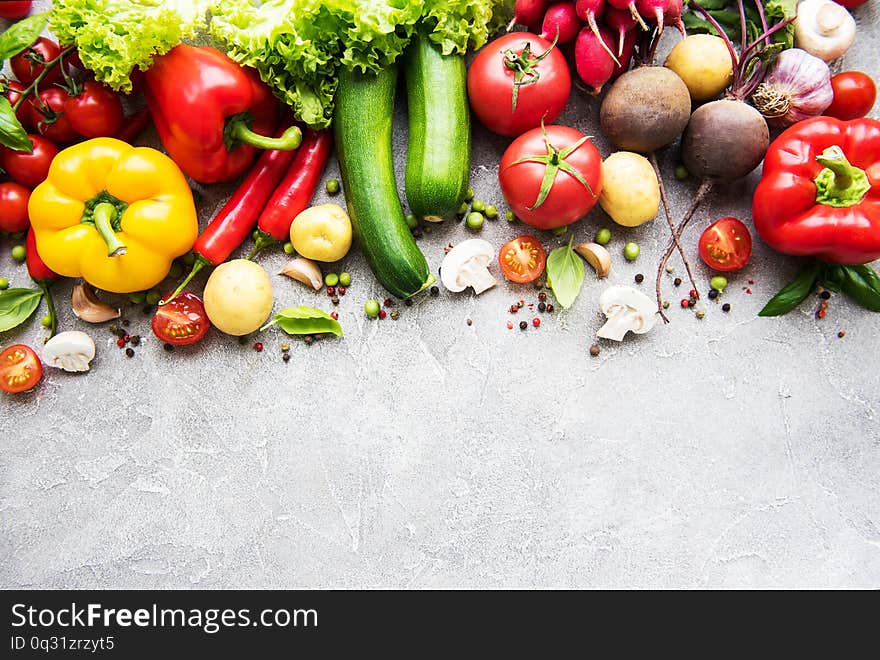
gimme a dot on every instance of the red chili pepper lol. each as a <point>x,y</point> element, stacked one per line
<point>295,191</point>
<point>211,113</point>
<point>134,126</point>
<point>236,219</point>
<point>42,275</point>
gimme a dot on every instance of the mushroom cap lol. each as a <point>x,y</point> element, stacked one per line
<point>72,350</point>
<point>628,310</point>
<point>473,249</point>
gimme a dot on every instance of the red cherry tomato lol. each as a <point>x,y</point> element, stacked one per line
<point>726,245</point>
<point>14,207</point>
<point>568,199</point>
<point>95,112</point>
<point>12,10</point>
<point>27,71</point>
<point>182,321</point>
<point>20,369</point>
<point>29,169</point>
<point>12,94</point>
<point>854,95</point>
<point>545,88</point>
<point>54,124</point>
<point>522,259</point>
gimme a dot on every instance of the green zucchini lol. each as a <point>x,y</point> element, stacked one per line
<point>362,124</point>
<point>438,159</point>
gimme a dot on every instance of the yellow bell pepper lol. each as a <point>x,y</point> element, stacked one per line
<point>113,214</point>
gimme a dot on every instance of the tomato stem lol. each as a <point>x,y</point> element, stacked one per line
<point>263,241</point>
<point>48,66</point>
<point>523,64</point>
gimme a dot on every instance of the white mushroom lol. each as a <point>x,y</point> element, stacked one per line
<point>88,308</point>
<point>305,271</point>
<point>823,28</point>
<point>467,265</point>
<point>71,351</point>
<point>627,310</point>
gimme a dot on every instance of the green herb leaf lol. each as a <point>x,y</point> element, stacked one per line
<point>862,284</point>
<point>305,321</point>
<point>832,277</point>
<point>12,134</point>
<point>22,34</point>
<point>794,293</point>
<point>565,274</point>
<point>16,306</point>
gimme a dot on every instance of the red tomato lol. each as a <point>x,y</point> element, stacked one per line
<point>726,245</point>
<point>27,71</point>
<point>182,321</point>
<point>20,369</point>
<point>95,112</point>
<point>13,87</point>
<point>854,95</point>
<point>14,207</point>
<point>543,92</point>
<point>568,200</point>
<point>522,259</point>
<point>13,10</point>
<point>29,169</point>
<point>851,4</point>
<point>54,124</point>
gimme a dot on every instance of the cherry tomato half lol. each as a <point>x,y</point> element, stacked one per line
<point>49,117</point>
<point>94,112</point>
<point>12,10</point>
<point>27,71</point>
<point>20,369</point>
<point>14,207</point>
<point>726,245</point>
<point>29,169</point>
<point>12,94</point>
<point>182,321</point>
<point>522,259</point>
<point>543,92</point>
<point>854,95</point>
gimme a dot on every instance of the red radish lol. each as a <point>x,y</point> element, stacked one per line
<point>620,21</point>
<point>653,10</point>
<point>561,23</point>
<point>527,12</point>
<point>630,6</point>
<point>674,10</point>
<point>628,48</point>
<point>594,65</point>
<point>588,11</point>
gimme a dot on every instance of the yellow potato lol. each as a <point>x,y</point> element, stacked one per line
<point>630,192</point>
<point>238,297</point>
<point>322,233</point>
<point>703,62</point>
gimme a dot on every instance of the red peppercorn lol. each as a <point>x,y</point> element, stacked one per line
<point>536,321</point>
<point>820,314</point>
<point>510,325</point>
<point>120,342</point>
<point>694,294</point>
<point>387,302</point>
<point>382,313</point>
<point>258,347</point>
<point>331,290</point>
<point>514,309</point>
<point>334,316</point>
<point>126,338</point>
<point>549,308</point>
<point>341,291</point>
<point>685,303</point>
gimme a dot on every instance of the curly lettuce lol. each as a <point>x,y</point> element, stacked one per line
<point>456,25</point>
<point>115,36</point>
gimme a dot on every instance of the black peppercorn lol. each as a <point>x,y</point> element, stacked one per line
<point>713,294</point>
<point>725,307</point>
<point>523,325</point>
<point>640,278</point>
<point>825,295</point>
<point>129,352</point>
<point>677,281</point>
<point>542,307</point>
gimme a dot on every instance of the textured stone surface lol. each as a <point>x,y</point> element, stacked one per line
<point>728,452</point>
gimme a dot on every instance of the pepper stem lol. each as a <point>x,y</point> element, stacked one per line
<point>238,131</point>
<point>840,184</point>
<point>263,241</point>
<point>200,263</point>
<point>50,306</point>
<point>104,214</point>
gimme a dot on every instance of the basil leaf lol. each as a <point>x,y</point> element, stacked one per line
<point>16,306</point>
<point>305,321</point>
<point>565,274</point>
<point>862,285</point>
<point>22,34</point>
<point>832,277</point>
<point>794,293</point>
<point>12,134</point>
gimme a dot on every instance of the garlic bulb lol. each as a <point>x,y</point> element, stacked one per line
<point>797,87</point>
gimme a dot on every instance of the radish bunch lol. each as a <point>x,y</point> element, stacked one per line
<point>604,32</point>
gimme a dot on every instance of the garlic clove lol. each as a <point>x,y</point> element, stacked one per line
<point>597,256</point>
<point>305,271</point>
<point>89,308</point>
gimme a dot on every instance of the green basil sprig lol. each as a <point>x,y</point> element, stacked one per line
<point>860,283</point>
<point>793,293</point>
<point>17,306</point>
<point>12,133</point>
<point>21,34</point>
<point>565,274</point>
<point>305,321</point>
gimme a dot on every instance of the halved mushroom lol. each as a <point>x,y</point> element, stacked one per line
<point>88,308</point>
<point>627,310</point>
<point>71,351</point>
<point>305,271</point>
<point>467,265</point>
<point>597,256</point>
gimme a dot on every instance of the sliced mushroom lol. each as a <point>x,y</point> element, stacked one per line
<point>71,351</point>
<point>88,308</point>
<point>305,271</point>
<point>597,256</point>
<point>467,265</point>
<point>627,310</point>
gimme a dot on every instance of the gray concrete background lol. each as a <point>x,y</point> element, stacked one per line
<point>728,452</point>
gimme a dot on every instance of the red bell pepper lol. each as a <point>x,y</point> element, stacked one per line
<point>211,113</point>
<point>43,277</point>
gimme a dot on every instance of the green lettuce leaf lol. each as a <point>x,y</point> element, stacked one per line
<point>457,25</point>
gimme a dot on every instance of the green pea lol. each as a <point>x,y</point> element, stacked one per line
<point>509,216</point>
<point>603,236</point>
<point>411,220</point>
<point>470,194</point>
<point>371,308</point>
<point>475,220</point>
<point>19,253</point>
<point>344,279</point>
<point>333,186</point>
<point>175,271</point>
<point>153,297</point>
<point>631,251</point>
<point>478,205</point>
<point>463,208</point>
<point>331,279</point>
<point>491,212</point>
<point>46,321</point>
<point>288,248</point>
<point>719,282</point>
<point>559,231</point>
<point>4,284</point>
<point>137,297</point>
<point>681,173</point>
